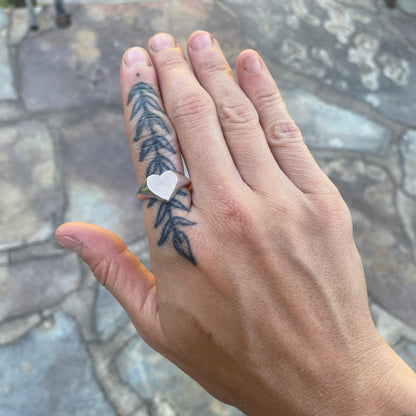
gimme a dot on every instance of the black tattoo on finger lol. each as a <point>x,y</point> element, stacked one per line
<point>152,133</point>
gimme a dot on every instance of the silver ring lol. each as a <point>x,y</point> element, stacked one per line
<point>162,187</point>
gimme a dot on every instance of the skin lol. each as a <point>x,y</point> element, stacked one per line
<point>258,290</point>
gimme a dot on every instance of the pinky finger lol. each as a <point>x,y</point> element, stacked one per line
<point>283,136</point>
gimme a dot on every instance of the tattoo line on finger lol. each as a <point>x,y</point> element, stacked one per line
<point>151,133</point>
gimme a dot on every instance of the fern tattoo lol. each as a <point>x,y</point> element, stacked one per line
<point>151,131</point>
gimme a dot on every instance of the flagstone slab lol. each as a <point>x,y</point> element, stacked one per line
<point>153,376</point>
<point>83,61</point>
<point>386,251</point>
<point>4,19</point>
<point>10,111</point>
<point>7,89</point>
<point>326,126</point>
<point>99,175</point>
<point>19,26</point>
<point>407,351</point>
<point>407,210</point>
<point>341,44</point>
<point>407,28</point>
<point>407,6</point>
<point>33,285</point>
<point>408,151</point>
<point>11,330</point>
<point>28,204</point>
<point>49,372</point>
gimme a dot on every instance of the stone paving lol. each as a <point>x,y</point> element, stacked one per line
<point>347,70</point>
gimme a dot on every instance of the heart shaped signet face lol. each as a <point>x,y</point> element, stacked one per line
<point>164,185</point>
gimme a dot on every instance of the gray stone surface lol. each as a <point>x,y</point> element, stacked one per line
<point>101,183</point>
<point>407,6</point>
<point>37,251</point>
<point>109,314</point>
<point>51,2</point>
<point>328,126</point>
<point>10,111</point>
<point>19,27</point>
<point>391,328</point>
<point>407,351</point>
<point>338,62</point>
<point>87,70</point>
<point>4,258</point>
<point>407,28</point>
<point>27,183</point>
<point>154,376</point>
<point>343,45</point>
<point>386,252</point>
<point>14,329</point>
<point>407,209</point>
<point>7,90</point>
<point>408,150</point>
<point>52,367</point>
<point>33,285</point>
<point>4,19</point>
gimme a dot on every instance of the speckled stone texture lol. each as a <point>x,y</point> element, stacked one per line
<point>346,69</point>
<point>340,44</point>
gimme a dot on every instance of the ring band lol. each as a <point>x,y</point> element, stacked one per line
<point>162,187</point>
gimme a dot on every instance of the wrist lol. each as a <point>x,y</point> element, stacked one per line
<point>398,390</point>
<point>380,385</point>
<point>384,387</point>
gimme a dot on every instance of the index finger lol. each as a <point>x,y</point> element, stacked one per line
<point>154,150</point>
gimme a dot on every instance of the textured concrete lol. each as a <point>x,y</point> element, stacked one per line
<point>347,72</point>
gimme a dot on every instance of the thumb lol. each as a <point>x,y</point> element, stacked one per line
<point>119,270</point>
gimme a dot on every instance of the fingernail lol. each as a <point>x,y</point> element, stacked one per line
<point>201,41</point>
<point>162,41</point>
<point>70,243</point>
<point>252,64</point>
<point>136,57</point>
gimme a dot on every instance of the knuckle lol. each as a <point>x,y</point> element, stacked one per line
<point>107,269</point>
<point>282,132</point>
<point>269,98</point>
<point>210,69</point>
<point>191,103</point>
<point>236,115</point>
<point>102,271</point>
<point>236,216</point>
<point>334,214</point>
<point>172,63</point>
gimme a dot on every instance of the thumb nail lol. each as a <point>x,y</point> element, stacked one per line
<point>70,243</point>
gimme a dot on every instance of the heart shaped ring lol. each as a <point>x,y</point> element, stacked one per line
<point>162,187</point>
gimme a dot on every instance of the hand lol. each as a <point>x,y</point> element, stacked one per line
<point>258,290</point>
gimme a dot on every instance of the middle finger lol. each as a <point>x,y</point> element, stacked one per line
<point>193,114</point>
